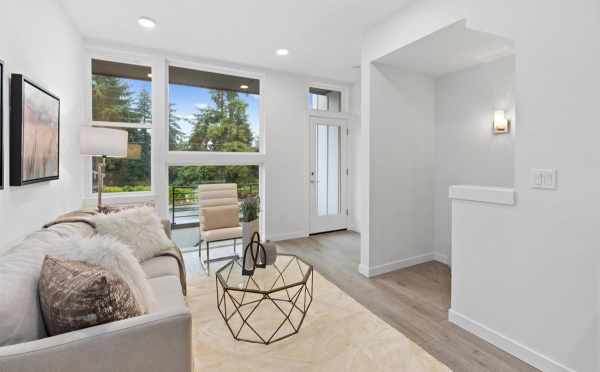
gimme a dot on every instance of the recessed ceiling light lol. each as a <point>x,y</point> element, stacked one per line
<point>244,86</point>
<point>146,22</point>
<point>282,52</point>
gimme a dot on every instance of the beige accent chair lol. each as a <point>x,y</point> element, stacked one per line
<point>219,217</point>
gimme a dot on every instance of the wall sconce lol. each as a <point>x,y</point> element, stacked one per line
<point>501,123</point>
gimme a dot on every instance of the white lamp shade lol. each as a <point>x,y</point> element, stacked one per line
<point>103,142</point>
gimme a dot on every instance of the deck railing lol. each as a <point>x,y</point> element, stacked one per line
<point>183,202</point>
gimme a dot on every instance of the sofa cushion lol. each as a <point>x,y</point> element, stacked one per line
<point>20,315</point>
<point>76,295</point>
<point>140,228</point>
<point>167,290</point>
<point>161,266</point>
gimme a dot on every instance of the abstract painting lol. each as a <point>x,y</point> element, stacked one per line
<point>35,133</point>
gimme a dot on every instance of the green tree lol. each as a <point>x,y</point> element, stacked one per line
<point>176,135</point>
<point>224,127</point>
<point>138,169</point>
<point>111,99</point>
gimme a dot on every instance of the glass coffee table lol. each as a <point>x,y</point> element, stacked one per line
<point>269,305</point>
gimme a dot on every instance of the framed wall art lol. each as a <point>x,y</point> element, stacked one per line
<point>34,132</point>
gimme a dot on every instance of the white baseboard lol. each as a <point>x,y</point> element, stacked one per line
<point>353,227</point>
<point>441,258</point>
<point>512,347</point>
<point>372,271</point>
<point>364,270</point>
<point>288,236</point>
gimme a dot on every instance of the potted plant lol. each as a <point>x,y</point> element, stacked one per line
<point>249,210</point>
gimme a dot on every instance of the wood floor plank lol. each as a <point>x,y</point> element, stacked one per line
<point>414,300</point>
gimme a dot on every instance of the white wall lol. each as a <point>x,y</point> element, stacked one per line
<point>354,194</point>
<point>466,151</point>
<point>38,40</point>
<point>401,127</point>
<point>286,104</point>
<point>533,279</point>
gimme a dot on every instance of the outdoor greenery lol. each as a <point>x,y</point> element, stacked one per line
<point>185,179</point>
<point>113,101</point>
<point>221,126</point>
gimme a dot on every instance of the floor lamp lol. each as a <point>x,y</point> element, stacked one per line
<point>106,143</point>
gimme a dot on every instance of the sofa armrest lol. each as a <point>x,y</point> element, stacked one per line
<point>151,343</point>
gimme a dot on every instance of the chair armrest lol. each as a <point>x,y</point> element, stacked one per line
<point>150,343</point>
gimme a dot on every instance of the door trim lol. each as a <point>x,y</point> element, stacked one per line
<point>343,123</point>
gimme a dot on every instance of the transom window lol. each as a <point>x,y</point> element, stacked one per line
<point>325,100</point>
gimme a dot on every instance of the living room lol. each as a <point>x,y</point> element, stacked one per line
<point>418,171</point>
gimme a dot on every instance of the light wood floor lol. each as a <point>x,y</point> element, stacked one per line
<point>414,300</point>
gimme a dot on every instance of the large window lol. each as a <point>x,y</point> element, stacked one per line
<point>121,98</point>
<point>213,112</point>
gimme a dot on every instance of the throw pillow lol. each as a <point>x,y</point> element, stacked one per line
<point>221,217</point>
<point>139,228</point>
<point>76,295</point>
<point>115,256</point>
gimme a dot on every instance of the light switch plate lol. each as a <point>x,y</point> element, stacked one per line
<point>543,179</point>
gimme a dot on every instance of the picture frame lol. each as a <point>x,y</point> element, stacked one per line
<point>34,132</point>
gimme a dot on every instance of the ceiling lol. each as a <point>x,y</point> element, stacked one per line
<point>451,49</point>
<point>323,36</point>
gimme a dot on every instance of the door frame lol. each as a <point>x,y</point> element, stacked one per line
<point>343,122</point>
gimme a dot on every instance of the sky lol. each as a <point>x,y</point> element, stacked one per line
<point>188,100</point>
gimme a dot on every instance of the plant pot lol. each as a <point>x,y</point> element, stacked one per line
<point>248,228</point>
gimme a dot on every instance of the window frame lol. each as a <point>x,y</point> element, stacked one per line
<point>129,58</point>
<point>218,158</point>
<point>224,71</point>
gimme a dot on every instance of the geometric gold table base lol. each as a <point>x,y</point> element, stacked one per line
<point>265,314</point>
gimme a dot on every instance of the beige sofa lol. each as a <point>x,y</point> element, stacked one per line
<point>156,342</point>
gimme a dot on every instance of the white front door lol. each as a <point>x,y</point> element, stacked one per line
<point>328,175</point>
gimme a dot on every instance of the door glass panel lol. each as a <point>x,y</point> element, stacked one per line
<point>328,169</point>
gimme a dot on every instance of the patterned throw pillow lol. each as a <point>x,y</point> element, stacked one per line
<point>76,295</point>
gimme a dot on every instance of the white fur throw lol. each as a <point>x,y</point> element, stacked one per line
<point>116,257</point>
<point>139,228</point>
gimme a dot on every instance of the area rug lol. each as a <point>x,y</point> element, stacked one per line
<point>338,334</point>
